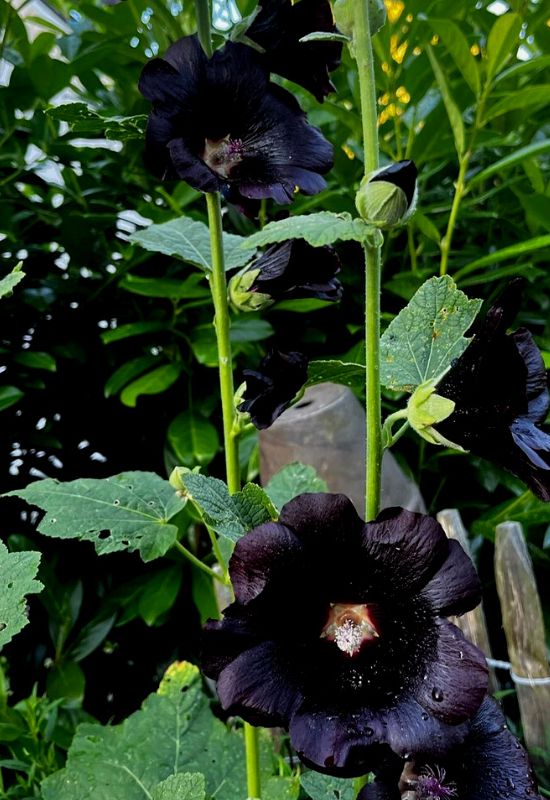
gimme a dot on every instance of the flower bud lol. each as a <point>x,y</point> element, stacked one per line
<point>425,409</point>
<point>387,197</point>
<point>242,294</point>
<point>344,18</point>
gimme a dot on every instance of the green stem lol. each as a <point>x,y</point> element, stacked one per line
<point>203,12</point>
<point>198,563</point>
<point>369,119</point>
<point>218,286</point>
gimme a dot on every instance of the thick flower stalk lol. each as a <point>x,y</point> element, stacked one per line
<point>337,633</point>
<point>221,125</point>
<point>489,765</point>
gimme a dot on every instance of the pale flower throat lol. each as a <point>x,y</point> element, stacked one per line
<point>349,626</point>
<point>221,156</point>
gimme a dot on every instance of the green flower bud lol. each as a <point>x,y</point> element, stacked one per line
<point>175,479</point>
<point>425,409</point>
<point>242,297</point>
<point>387,197</point>
<point>343,16</point>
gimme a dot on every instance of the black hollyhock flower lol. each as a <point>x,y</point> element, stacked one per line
<point>500,389</point>
<point>287,270</point>
<point>489,765</point>
<point>338,633</point>
<point>219,124</point>
<point>273,386</point>
<point>278,29</point>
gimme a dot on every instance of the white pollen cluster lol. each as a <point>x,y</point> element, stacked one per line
<point>349,637</point>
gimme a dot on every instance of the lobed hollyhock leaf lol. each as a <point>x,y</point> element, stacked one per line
<point>326,787</point>
<point>427,335</point>
<point>324,227</point>
<point>292,480</point>
<point>189,239</point>
<point>130,511</point>
<point>18,572</point>
<point>10,281</point>
<point>173,748</point>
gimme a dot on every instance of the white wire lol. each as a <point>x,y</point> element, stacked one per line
<point>519,679</point>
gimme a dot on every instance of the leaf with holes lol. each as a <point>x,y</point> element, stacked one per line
<point>292,480</point>
<point>427,335</point>
<point>151,753</point>
<point>130,511</point>
<point>17,573</point>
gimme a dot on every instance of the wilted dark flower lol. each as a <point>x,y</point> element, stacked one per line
<point>500,389</point>
<point>278,29</point>
<point>290,269</point>
<point>337,633</point>
<point>219,124</point>
<point>387,197</point>
<point>489,765</point>
<point>273,386</point>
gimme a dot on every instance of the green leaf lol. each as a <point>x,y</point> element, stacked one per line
<point>193,439</point>
<point>192,287</point>
<point>526,509</point>
<point>250,329</point>
<point>228,515</point>
<point>17,571</point>
<point>281,788</point>
<point>133,329</point>
<point>318,229</point>
<point>527,97</point>
<point>519,249</point>
<point>9,395</point>
<point>183,786</point>
<point>190,240</point>
<point>324,787</point>
<point>523,153</point>
<point>325,36</point>
<point>427,335</point>
<point>65,680</point>
<point>83,119</point>
<point>125,373</point>
<point>154,382</point>
<point>457,45</point>
<point>8,282</point>
<point>174,733</point>
<point>292,480</point>
<point>426,226</point>
<point>502,42</point>
<point>130,511</point>
<point>36,360</point>
<point>335,371</point>
<point>453,111</point>
<point>160,593</point>
<point>90,637</point>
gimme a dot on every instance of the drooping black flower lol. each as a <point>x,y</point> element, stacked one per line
<point>278,29</point>
<point>273,386</point>
<point>489,765</point>
<point>287,270</point>
<point>337,633</point>
<point>219,124</point>
<point>500,389</point>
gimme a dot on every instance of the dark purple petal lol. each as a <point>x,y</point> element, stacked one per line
<point>411,730</point>
<point>224,640</point>
<point>266,553</point>
<point>456,679</point>
<point>402,174</point>
<point>455,588</point>
<point>160,83</point>
<point>260,683</point>
<point>190,168</point>
<point>405,548</point>
<point>296,269</point>
<point>273,387</point>
<point>323,521</point>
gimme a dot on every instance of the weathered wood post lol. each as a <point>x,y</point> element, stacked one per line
<point>524,627</point>
<point>472,624</point>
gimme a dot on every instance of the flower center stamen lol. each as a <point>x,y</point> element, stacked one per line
<point>432,784</point>
<point>222,155</point>
<point>349,626</point>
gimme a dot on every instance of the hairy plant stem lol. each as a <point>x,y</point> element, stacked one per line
<point>218,286</point>
<point>461,187</point>
<point>198,563</point>
<point>369,119</point>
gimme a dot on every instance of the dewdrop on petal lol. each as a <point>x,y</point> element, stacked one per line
<point>387,197</point>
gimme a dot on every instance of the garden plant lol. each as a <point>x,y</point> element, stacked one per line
<point>206,210</point>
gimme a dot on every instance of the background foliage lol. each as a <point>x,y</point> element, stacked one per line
<point>108,352</point>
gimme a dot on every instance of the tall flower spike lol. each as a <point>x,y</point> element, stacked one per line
<point>220,125</point>
<point>489,765</point>
<point>337,632</point>
<point>500,389</point>
<point>278,29</point>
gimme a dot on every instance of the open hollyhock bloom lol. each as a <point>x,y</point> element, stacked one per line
<point>337,632</point>
<point>273,386</point>
<point>278,29</point>
<point>500,389</point>
<point>489,765</point>
<point>220,125</point>
<point>287,270</point>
